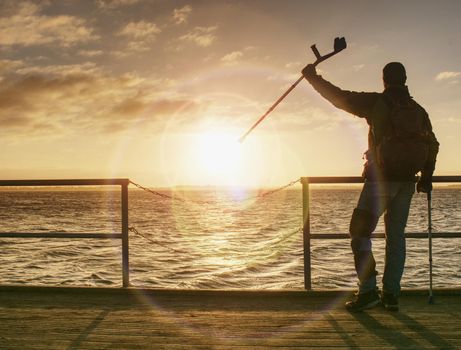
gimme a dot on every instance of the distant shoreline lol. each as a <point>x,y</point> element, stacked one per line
<point>192,188</point>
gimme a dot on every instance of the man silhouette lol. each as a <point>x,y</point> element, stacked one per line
<point>382,192</point>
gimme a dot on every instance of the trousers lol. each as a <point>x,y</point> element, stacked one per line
<point>393,199</point>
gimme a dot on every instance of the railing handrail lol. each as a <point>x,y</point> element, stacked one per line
<point>308,235</point>
<point>122,182</point>
<point>383,235</point>
<point>66,182</point>
<point>97,235</point>
<point>359,179</point>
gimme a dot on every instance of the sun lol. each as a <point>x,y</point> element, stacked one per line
<point>218,153</point>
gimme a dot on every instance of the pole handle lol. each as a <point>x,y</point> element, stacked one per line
<point>339,45</point>
<point>316,52</point>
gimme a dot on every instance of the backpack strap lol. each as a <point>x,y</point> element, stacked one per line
<point>380,118</point>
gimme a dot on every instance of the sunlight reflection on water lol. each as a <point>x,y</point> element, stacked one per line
<point>208,239</point>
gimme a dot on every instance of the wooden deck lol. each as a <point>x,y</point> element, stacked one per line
<point>100,318</point>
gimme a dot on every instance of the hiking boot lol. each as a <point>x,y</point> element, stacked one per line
<point>390,301</point>
<point>363,301</point>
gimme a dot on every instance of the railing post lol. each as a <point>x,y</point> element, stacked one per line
<point>306,234</point>
<point>125,242</point>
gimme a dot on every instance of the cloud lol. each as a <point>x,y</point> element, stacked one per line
<point>113,4</point>
<point>27,27</point>
<point>7,66</point>
<point>140,30</point>
<point>133,47</point>
<point>201,36</point>
<point>293,65</point>
<point>173,106</point>
<point>27,104</point>
<point>85,68</point>
<point>141,35</point>
<point>232,58</point>
<point>90,53</point>
<point>181,15</point>
<point>151,114</point>
<point>62,102</point>
<point>68,100</point>
<point>451,76</point>
<point>131,106</point>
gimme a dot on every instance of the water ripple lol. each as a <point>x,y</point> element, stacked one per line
<point>231,244</point>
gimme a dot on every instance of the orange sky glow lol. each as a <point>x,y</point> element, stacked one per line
<point>160,91</point>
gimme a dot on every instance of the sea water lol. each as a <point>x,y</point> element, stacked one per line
<point>210,238</point>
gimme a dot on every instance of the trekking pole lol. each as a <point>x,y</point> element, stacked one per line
<point>339,45</point>
<point>429,234</point>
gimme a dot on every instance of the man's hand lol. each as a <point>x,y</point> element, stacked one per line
<point>309,71</point>
<point>424,184</point>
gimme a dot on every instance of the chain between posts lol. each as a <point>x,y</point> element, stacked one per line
<point>166,196</point>
<point>270,192</point>
<point>153,241</point>
<point>137,233</point>
<point>257,197</point>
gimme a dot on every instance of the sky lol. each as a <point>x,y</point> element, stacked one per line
<point>160,91</point>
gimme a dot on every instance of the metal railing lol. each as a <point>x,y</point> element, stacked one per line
<point>123,183</point>
<point>123,235</point>
<point>308,235</point>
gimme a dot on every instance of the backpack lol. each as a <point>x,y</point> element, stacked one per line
<point>403,148</point>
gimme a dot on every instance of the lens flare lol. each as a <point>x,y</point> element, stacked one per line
<point>218,153</point>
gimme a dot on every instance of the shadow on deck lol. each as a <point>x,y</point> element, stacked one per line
<point>100,318</point>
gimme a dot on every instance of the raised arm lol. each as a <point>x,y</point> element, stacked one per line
<point>357,103</point>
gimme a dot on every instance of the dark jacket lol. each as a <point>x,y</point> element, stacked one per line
<point>362,105</point>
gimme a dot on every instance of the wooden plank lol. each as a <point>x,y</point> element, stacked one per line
<point>72,318</point>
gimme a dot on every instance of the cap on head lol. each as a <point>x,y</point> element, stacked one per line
<point>394,74</point>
